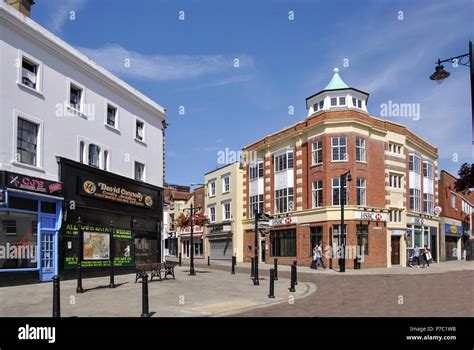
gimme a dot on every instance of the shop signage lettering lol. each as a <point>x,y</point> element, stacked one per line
<point>418,221</point>
<point>283,221</point>
<point>370,216</point>
<point>34,184</point>
<point>102,190</point>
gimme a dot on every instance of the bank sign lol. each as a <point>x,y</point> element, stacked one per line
<point>283,221</point>
<point>115,193</point>
<point>370,216</point>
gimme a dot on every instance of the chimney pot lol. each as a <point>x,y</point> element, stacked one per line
<point>24,6</point>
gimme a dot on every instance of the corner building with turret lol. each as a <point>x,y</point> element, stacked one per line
<point>295,177</point>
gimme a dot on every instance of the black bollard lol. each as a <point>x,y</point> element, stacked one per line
<point>234,261</point>
<point>292,281</point>
<point>271,293</point>
<point>79,288</point>
<point>56,297</point>
<point>208,260</point>
<point>256,281</point>
<point>179,261</point>
<point>295,263</point>
<point>275,267</point>
<point>252,267</point>
<point>145,311</point>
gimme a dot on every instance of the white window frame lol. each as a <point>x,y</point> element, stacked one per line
<point>135,129</point>
<point>285,165</point>
<point>99,156</point>
<point>224,216</point>
<point>211,186</point>
<point>315,157</point>
<point>346,158</point>
<point>212,217</point>
<point>416,200</point>
<point>137,161</point>
<point>361,187</point>
<point>39,75</point>
<point>428,203</point>
<point>317,193</point>
<point>429,169</point>
<point>255,203</point>
<point>362,149</point>
<point>416,161</point>
<point>286,199</point>
<point>224,178</point>
<point>39,146</point>
<point>452,200</point>
<point>79,111</point>
<point>117,119</point>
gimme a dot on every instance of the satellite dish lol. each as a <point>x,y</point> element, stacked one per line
<point>437,210</point>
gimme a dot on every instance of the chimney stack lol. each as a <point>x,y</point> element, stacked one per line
<point>24,6</point>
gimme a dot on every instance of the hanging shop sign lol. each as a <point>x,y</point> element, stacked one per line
<point>97,245</point>
<point>290,220</point>
<point>370,216</point>
<point>115,193</point>
<point>33,184</point>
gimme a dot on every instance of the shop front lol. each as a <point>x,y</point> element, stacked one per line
<point>107,218</point>
<point>30,218</point>
<point>171,244</point>
<point>219,240</point>
<point>197,245</point>
<point>421,232</point>
<point>452,241</point>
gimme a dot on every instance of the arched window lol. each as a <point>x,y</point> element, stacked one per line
<point>106,160</point>
<point>94,155</point>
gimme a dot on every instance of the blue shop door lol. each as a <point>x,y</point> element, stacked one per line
<point>48,255</point>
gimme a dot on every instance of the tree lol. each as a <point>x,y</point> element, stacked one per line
<point>465,182</point>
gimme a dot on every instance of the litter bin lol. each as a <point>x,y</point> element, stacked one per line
<point>357,262</point>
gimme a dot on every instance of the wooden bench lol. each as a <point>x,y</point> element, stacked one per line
<point>155,270</point>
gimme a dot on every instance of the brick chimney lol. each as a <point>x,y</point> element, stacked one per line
<point>24,6</point>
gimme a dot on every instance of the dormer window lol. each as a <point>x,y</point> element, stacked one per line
<point>342,101</point>
<point>333,101</point>
<point>321,104</point>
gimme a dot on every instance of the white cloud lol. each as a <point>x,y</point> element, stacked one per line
<point>61,11</point>
<point>166,67</point>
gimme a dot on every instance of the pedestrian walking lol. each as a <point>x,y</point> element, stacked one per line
<point>427,256</point>
<point>416,255</point>
<point>319,257</point>
<point>315,251</point>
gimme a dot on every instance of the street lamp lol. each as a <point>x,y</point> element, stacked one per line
<point>440,74</point>
<point>342,261</point>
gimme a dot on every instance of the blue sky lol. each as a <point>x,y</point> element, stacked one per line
<point>191,63</point>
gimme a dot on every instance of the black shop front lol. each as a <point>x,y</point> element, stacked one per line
<point>107,218</point>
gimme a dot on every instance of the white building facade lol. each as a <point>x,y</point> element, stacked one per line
<point>55,102</point>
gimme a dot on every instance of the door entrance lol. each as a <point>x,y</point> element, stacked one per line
<point>395,256</point>
<point>434,248</point>
<point>48,251</point>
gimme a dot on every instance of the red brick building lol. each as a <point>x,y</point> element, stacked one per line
<point>294,175</point>
<point>455,220</point>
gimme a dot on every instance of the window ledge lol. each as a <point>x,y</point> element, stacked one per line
<point>339,161</point>
<point>77,112</point>
<point>141,142</point>
<point>226,192</point>
<point>112,128</point>
<point>28,166</point>
<point>361,161</point>
<point>30,89</point>
<point>316,165</point>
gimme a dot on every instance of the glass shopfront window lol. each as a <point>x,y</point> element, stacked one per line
<point>283,243</point>
<point>18,240</point>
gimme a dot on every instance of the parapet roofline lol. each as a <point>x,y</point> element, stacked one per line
<point>297,123</point>
<point>34,29</point>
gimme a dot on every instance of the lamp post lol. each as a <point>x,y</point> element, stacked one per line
<point>261,216</point>
<point>342,179</point>
<point>440,74</point>
<point>191,240</point>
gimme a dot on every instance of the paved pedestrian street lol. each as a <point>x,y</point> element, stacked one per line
<point>444,289</point>
<point>211,292</point>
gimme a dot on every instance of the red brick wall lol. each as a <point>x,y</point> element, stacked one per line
<point>446,186</point>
